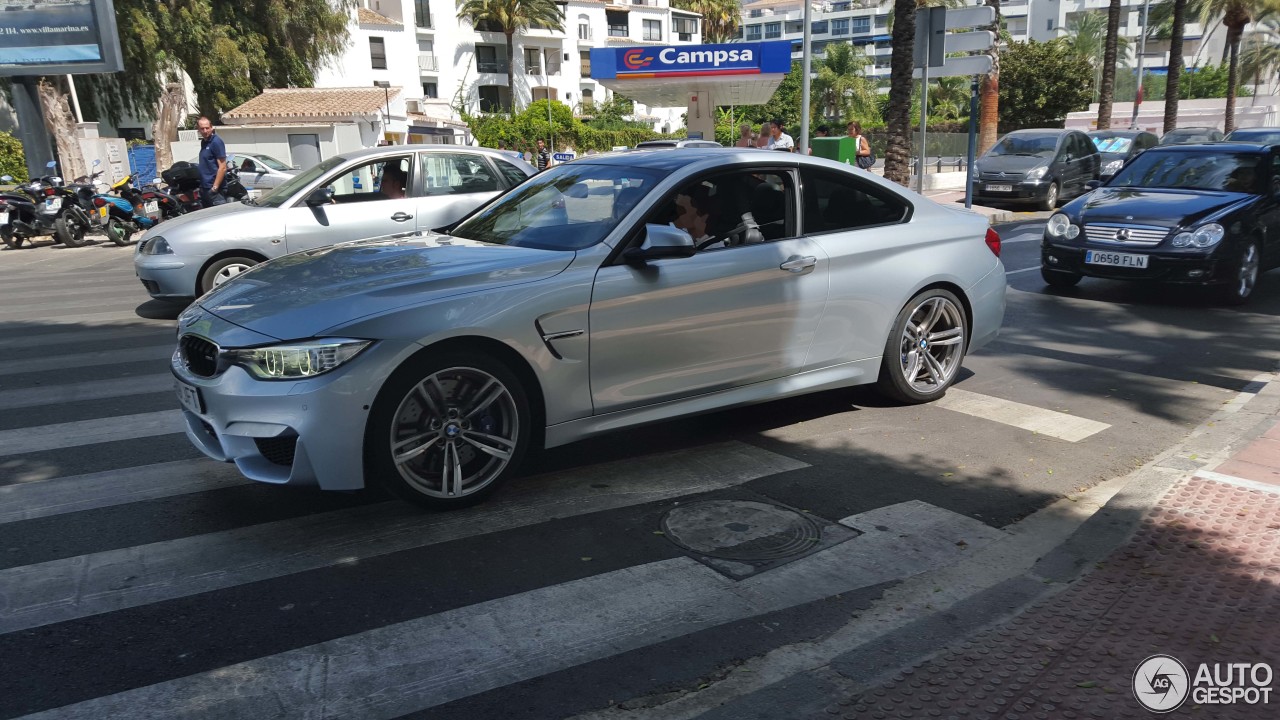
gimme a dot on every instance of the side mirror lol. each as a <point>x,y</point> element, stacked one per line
<point>320,196</point>
<point>1093,185</point>
<point>261,173</point>
<point>661,241</point>
<point>577,190</point>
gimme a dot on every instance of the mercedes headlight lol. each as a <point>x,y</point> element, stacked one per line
<point>1206,235</point>
<point>1112,167</point>
<point>974,173</point>
<point>1037,173</point>
<point>157,246</point>
<point>296,360</point>
<point>1061,226</point>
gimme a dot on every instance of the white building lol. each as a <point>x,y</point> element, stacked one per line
<point>436,60</point>
<point>865,24</point>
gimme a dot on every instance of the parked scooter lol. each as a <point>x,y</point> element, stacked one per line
<point>63,211</point>
<point>183,180</point>
<point>123,214</point>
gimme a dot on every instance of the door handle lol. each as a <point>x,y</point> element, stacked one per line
<point>401,217</point>
<point>799,264</point>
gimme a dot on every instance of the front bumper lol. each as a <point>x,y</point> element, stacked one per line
<point>1168,267</point>
<point>1023,191</point>
<point>166,276</point>
<point>301,432</point>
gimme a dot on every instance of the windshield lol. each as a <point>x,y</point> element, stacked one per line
<point>1192,170</point>
<point>1113,145</point>
<point>1266,137</point>
<point>270,162</point>
<point>568,207</point>
<point>288,188</point>
<point>1029,145</point>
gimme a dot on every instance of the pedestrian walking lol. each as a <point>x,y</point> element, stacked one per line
<point>744,137</point>
<point>212,164</point>
<point>781,140</point>
<point>765,139</point>
<point>863,155</point>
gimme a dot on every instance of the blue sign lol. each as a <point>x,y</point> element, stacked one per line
<point>563,157</point>
<point>691,60</point>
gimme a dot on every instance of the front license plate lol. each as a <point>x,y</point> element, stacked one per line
<point>1129,260</point>
<point>52,204</point>
<point>189,397</point>
<point>152,207</point>
<point>1000,188</point>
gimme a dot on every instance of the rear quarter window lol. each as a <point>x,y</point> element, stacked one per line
<point>834,202</point>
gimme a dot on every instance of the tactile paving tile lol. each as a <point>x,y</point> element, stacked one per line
<point>1199,580</point>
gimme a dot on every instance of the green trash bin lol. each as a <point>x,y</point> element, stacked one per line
<point>840,149</point>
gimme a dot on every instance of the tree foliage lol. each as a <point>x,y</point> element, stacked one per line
<point>1039,84</point>
<point>522,130</point>
<point>720,18</point>
<point>231,50</point>
<point>511,17</point>
<point>12,160</point>
<point>784,105</point>
<point>841,91</point>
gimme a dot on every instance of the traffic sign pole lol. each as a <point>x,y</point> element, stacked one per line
<point>973,142</point>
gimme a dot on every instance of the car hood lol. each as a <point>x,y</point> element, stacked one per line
<point>169,227</point>
<point>303,294</point>
<point>1010,163</point>
<point>1157,207</point>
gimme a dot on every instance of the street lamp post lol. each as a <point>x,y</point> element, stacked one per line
<point>1142,51</point>
<point>386,92</point>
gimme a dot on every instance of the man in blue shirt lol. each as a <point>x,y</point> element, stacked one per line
<point>213,164</point>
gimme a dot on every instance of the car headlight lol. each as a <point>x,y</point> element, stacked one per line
<point>296,360</point>
<point>1206,235</point>
<point>1061,226</point>
<point>974,174</point>
<point>1037,173</point>
<point>1112,167</point>
<point>157,246</point>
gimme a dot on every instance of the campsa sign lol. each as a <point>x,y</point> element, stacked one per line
<point>681,60</point>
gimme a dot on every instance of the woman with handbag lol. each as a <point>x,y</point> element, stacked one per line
<point>864,157</point>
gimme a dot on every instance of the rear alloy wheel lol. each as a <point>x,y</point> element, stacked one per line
<point>70,227</point>
<point>1238,291</point>
<point>1059,278</point>
<point>446,433</point>
<point>1051,197</point>
<point>925,348</point>
<point>223,270</point>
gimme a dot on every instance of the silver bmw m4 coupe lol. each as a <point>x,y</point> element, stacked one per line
<point>602,294</point>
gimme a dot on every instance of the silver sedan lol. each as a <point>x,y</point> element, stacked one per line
<point>602,294</point>
<point>378,191</point>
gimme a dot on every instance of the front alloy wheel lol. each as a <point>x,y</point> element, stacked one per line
<point>1238,291</point>
<point>1051,197</point>
<point>458,427</point>
<point>925,348</point>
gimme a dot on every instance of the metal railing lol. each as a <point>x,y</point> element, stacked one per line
<point>491,66</point>
<point>427,61</point>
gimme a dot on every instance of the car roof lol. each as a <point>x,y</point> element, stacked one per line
<point>1118,133</point>
<point>1185,130</point>
<point>395,149</point>
<point>1042,131</point>
<point>1220,146</point>
<point>1252,130</point>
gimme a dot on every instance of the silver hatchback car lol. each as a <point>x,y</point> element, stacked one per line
<point>602,294</point>
<point>378,191</point>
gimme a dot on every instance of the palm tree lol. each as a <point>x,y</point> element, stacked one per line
<point>1108,86</point>
<point>989,112</point>
<point>1086,36</point>
<point>511,17</point>
<point>1235,14</point>
<point>1171,89</point>
<point>841,90</point>
<point>1261,56</point>
<point>897,153</point>
<point>720,18</point>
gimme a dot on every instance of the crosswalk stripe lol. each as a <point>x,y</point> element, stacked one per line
<point>143,355</point>
<point>1028,417</point>
<point>27,501</point>
<point>82,337</point>
<point>46,292</point>
<point>45,309</point>
<point>422,663</point>
<point>101,318</point>
<point>86,585</point>
<point>90,390</point>
<point>88,432</point>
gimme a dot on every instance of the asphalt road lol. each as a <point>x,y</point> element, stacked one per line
<point>137,577</point>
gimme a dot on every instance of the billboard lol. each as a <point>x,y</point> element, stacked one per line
<point>57,37</point>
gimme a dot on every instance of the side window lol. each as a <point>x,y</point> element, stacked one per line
<point>512,173</point>
<point>1083,148</point>
<point>455,174</point>
<point>384,179</point>
<point>248,166</point>
<point>725,211</point>
<point>835,201</point>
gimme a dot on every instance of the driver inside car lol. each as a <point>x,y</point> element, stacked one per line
<point>694,210</point>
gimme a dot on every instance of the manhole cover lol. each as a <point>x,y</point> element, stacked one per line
<point>742,530</point>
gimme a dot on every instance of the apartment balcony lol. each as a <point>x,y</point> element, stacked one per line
<point>553,68</point>
<point>619,31</point>
<point>497,67</point>
<point>584,68</point>
<point>427,62</point>
<point>648,3</point>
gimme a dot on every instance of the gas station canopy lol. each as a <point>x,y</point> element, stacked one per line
<point>668,75</point>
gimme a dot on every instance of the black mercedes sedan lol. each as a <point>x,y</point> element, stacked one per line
<point>1193,214</point>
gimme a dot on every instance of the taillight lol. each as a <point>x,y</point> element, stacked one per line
<point>48,191</point>
<point>993,241</point>
<point>99,202</point>
<point>184,198</point>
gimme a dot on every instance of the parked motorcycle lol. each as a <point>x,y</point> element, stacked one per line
<point>123,214</point>
<point>19,222</point>
<point>183,180</point>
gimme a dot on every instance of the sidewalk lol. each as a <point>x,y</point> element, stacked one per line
<point>1197,583</point>
<point>955,198</point>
